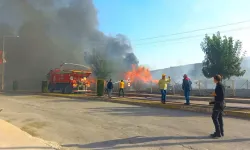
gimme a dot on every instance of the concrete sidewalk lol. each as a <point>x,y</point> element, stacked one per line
<point>13,138</point>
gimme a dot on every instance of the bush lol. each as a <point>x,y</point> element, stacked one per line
<point>44,86</point>
<point>15,85</point>
<point>100,87</point>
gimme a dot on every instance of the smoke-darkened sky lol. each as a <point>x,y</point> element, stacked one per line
<point>52,32</point>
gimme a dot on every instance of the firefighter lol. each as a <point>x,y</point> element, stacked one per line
<point>163,84</point>
<point>219,106</point>
<point>121,88</point>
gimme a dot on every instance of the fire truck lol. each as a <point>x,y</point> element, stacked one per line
<point>68,80</point>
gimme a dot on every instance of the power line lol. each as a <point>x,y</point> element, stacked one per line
<point>188,37</point>
<point>98,44</point>
<point>179,33</point>
<point>169,43</point>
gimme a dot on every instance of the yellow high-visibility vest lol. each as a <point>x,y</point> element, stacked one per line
<point>122,85</point>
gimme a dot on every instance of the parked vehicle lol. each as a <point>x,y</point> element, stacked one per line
<point>67,80</point>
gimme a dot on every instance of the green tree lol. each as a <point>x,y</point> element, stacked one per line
<point>222,56</point>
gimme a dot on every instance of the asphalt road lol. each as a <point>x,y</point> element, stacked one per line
<point>83,124</point>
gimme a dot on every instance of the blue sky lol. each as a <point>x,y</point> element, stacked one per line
<point>140,19</point>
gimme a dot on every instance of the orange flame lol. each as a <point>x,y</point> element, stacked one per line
<point>91,80</point>
<point>139,74</point>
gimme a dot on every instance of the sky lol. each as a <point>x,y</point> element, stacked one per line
<point>148,24</point>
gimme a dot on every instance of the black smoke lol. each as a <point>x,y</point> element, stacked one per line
<point>53,32</point>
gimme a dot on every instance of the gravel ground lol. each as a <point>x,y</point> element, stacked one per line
<point>82,124</point>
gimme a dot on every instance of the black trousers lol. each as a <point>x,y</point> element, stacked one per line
<point>217,117</point>
<point>121,90</point>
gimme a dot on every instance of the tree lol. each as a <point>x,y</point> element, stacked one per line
<point>100,65</point>
<point>222,56</point>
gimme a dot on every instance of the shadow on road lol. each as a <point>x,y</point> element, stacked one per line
<point>72,99</point>
<point>18,93</point>
<point>143,111</point>
<point>66,100</point>
<point>26,148</point>
<point>129,142</point>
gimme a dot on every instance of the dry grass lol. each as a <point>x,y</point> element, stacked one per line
<point>28,120</point>
<point>32,127</point>
<point>37,125</point>
<point>10,120</point>
<point>29,130</point>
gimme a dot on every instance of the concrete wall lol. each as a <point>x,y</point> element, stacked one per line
<point>194,71</point>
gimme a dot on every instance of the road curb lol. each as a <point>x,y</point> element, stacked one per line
<point>236,100</point>
<point>13,137</point>
<point>193,98</point>
<point>241,113</point>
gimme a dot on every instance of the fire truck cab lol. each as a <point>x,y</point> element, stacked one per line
<point>68,81</point>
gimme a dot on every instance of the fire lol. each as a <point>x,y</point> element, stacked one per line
<point>91,80</point>
<point>140,74</point>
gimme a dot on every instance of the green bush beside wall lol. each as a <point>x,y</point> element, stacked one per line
<point>44,86</point>
<point>100,87</point>
<point>15,85</point>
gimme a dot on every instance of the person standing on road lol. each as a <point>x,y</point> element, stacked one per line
<point>110,88</point>
<point>121,88</point>
<point>163,84</point>
<point>219,106</point>
<point>186,87</point>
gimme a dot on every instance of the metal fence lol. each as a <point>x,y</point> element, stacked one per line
<point>239,88</point>
<point>234,88</point>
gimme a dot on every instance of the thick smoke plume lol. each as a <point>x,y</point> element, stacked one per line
<point>52,32</point>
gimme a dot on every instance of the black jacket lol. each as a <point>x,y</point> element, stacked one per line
<point>110,85</point>
<point>186,84</point>
<point>219,103</point>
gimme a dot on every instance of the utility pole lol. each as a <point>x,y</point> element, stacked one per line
<point>247,84</point>
<point>3,59</point>
<point>3,73</point>
<point>151,89</point>
<point>200,87</point>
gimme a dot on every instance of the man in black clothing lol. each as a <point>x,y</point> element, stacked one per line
<point>219,105</point>
<point>110,88</point>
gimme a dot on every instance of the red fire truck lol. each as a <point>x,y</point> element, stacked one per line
<point>68,80</point>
